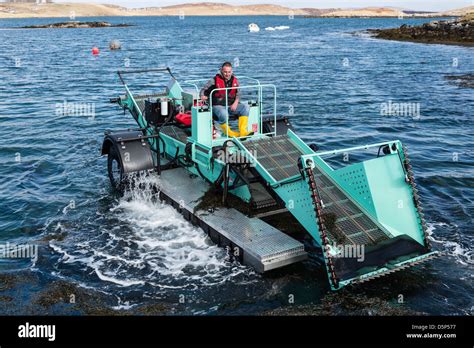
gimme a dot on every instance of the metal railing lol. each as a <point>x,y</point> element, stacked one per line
<point>259,88</point>
<point>193,82</point>
<point>140,119</point>
<point>352,149</point>
<point>142,122</point>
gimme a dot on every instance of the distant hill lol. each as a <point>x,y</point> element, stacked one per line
<point>364,12</point>
<point>384,12</point>
<point>317,12</point>
<point>460,11</point>
<point>27,10</point>
<point>65,10</point>
<point>394,12</point>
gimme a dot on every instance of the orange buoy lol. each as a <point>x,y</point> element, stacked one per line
<point>95,51</point>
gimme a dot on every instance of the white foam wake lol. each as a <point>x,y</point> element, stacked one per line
<point>462,254</point>
<point>148,242</point>
<point>280,27</point>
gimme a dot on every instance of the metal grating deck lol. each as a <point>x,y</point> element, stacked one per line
<point>260,197</point>
<point>263,246</point>
<point>176,133</point>
<point>278,155</point>
<point>344,220</point>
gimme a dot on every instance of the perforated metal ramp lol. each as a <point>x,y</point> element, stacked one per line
<point>259,244</point>
<point>345,221</point>
<point>278,155</point>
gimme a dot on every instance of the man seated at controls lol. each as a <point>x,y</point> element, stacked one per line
<point>226,79</point>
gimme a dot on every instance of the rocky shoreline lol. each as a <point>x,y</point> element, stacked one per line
<point>76,24</point>
<point>454,32</point>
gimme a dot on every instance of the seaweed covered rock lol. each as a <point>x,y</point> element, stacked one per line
<point>76,24</point>
<point>454,31</point>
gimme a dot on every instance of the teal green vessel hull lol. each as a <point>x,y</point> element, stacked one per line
<point>366,216</point>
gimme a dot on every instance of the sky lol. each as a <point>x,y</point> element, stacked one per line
<point>427,5</point>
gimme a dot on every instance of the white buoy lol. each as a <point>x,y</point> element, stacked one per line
<point>115,45</point>
<point>253,28</point>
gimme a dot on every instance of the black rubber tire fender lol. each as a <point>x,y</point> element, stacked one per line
<point>114,156</point>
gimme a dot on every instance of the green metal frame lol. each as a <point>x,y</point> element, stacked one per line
<point>382,191</point>
<point>259,88</point>
<point>377,186</point>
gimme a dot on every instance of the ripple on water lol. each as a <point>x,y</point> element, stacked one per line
<point>335,83</point>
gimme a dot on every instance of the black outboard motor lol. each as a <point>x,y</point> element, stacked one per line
<point>158,112</point>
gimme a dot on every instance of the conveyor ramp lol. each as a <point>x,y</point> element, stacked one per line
<point>346,222</point>
<point>329,213</point>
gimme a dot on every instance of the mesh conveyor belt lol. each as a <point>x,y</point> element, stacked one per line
<point>278,155</point>
<point>343,218</point>
<point>175,132</point>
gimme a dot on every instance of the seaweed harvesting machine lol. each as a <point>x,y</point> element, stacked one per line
<point>271,175</point>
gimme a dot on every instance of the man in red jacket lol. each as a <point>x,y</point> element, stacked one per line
<point>226,79</point>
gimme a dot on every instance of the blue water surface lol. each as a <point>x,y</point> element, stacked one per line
<point>331,75</point>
